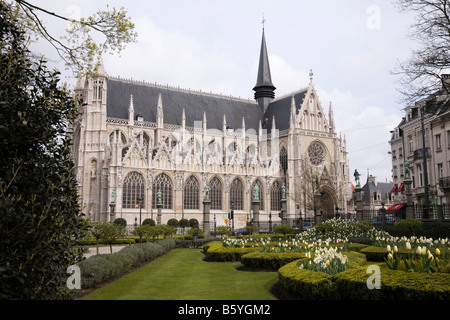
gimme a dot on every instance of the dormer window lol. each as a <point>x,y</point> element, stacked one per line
<point>139,118</point>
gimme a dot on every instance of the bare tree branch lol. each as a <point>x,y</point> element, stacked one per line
<point>77,48</point>
<point>421,75</point>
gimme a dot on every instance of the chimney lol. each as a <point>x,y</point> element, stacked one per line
<point>373,179</point>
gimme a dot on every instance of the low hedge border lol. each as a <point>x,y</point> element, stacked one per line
<point>395,285</point>
<point>102,267</point>
<point>215,251</point>
<point>269,261</point>
<point>352,284</point>
<point>306,284</point>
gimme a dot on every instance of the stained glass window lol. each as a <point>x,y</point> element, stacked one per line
<point>133,190</point>
<point>236,195</point>
<point>215,193</point>
<point>164,184</point>
<point>275,197</point>
<point>191,193</point>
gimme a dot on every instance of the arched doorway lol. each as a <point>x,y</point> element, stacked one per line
<point>328,202</point>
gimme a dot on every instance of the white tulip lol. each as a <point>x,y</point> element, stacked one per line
<point>419,250</point>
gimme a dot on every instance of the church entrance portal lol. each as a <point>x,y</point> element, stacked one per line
<point>327,205</point>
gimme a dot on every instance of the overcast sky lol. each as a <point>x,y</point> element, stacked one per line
<point>351,46</point>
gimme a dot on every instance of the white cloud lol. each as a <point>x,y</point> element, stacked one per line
<point>172,58</point>
<point>366,129</point>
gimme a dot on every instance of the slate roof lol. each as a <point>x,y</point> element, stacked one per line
<point>281,109</point>
<point>369,188</point>
<point>264,78</point>
<point>145,99</point>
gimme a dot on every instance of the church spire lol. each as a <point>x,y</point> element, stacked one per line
<point>264,88</point>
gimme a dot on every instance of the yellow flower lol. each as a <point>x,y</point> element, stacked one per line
<point>408,245</point>
<point>419,250</point>
<point>438,252</point>
<point>390,256</point>
<point>388,248</point>
<point>328,262</point>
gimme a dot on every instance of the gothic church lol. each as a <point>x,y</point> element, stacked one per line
<point>134,140</point>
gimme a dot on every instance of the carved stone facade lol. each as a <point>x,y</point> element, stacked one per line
<point>135,143</point>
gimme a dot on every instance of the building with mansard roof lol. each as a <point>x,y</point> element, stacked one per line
<point>421,141</point>
<point>134,141</point>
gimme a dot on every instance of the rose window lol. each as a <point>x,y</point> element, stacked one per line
<point>316,153</point>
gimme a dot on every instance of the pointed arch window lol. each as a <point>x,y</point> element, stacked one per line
<point>98,90</point>
<point>162,183</point>
<point>215,193</point>
<point>260,193</point>
<point>133,190</point>
<point>284,159</point>
<point>191,193</point>
<point>275,196</point>
<point>236,195</point>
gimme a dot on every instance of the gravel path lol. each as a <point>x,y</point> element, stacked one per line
<point>101,250</point>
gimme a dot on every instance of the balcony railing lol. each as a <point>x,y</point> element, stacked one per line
<point>444,182</point>
<point>418,154</point>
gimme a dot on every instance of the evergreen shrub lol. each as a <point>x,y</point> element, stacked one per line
<point>100,268</point>
<point>215,251</point>
<point>269,261</point>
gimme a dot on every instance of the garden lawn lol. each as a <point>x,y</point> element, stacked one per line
<point>183,275</point>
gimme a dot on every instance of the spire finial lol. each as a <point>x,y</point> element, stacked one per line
<point>311,74</point>
<point>264,19</point>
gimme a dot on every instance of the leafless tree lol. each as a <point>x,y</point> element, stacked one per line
<point>422,74</point>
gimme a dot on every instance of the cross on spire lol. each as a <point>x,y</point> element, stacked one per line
<point>263,20</point>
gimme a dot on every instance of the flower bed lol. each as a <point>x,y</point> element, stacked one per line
<point>324,263</point>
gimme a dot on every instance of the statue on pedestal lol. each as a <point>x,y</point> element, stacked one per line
<point>207,190</point>
<point>256,193</point>
<point>357,175</point>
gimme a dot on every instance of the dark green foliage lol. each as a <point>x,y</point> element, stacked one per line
<point>173,223</point>
<point>149,221</point>
<point>269,261</point>
<point>428,229</point>
<point>193,223</point>
<point>40,219</point>
<point>284,229</point>
<point>215,251</point>
<point>184,223</point>
<point>409,225</point>
<point>103,267</point>
<point>121,222</point>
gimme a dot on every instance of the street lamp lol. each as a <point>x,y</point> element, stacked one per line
<point>425,171</point>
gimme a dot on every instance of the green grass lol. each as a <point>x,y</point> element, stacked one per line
<point>182,275</point>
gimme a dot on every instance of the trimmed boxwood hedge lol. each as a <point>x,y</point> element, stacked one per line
<point>352,284</point>
<point>395,285</point>
<point>306,284</point>
<point>269,261</point>
<point>215,251</point>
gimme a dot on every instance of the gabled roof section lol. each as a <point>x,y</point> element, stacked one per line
<point>174,100</point>
<point>281,110</point>
<point>369,188</point>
